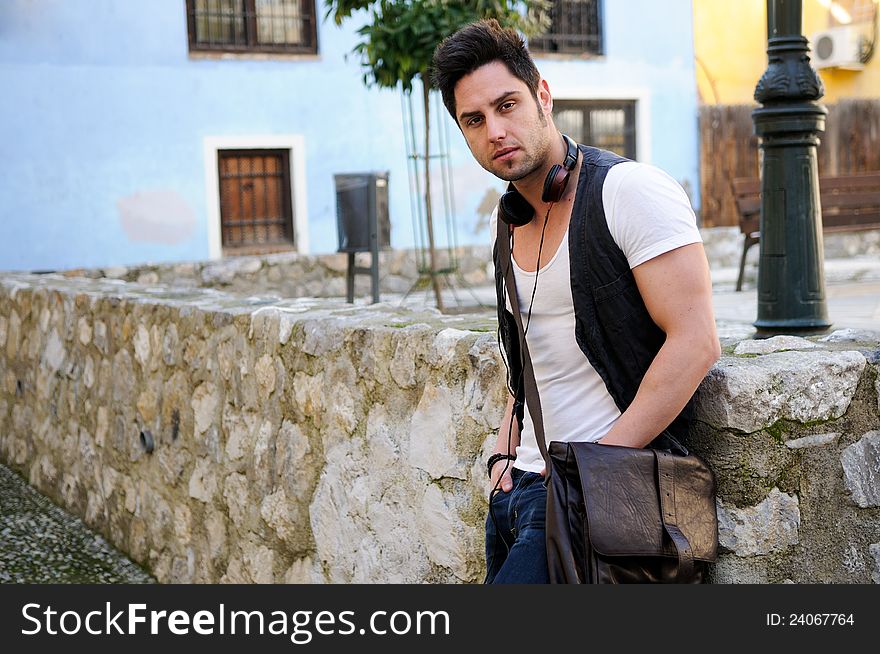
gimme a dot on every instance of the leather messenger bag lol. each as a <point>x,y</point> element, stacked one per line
<point>627,515</point>
<point>619,514</point>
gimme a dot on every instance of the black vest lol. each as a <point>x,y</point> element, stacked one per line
<point>612,326</point>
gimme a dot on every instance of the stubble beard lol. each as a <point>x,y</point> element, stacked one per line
<point>534,158</point>
<point>521,171</point>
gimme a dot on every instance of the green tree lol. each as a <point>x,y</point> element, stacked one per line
<point>398,44</point>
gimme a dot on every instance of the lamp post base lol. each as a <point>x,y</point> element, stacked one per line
<point>795,327</point>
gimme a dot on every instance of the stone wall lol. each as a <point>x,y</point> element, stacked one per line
<point>220,438</point>
<point>292,275</point>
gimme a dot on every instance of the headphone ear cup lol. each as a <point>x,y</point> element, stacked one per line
<point>515,210</point>
<point>554,184</point>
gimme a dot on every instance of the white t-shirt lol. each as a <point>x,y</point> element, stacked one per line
<point>648,214</point>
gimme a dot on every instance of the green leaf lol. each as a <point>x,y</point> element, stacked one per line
<point>398,44</point>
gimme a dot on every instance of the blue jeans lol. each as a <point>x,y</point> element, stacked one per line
<point>516,552</point>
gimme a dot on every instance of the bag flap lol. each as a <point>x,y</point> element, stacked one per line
<point>623,508</point>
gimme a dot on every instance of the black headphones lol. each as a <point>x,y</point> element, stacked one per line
<point>515,210</point>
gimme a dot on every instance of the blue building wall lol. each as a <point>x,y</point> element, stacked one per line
<point>102,103</point>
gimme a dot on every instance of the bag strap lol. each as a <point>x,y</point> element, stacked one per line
<point>533,400</point>
<point>665,463</point>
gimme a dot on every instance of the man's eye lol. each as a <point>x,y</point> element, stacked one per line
<point>507,106</point>
<point>473,122</point>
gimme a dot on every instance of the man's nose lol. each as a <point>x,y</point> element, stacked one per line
<point>495,129</point>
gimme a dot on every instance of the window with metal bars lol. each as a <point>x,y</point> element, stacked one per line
<point>575,28</point>
<point>606,124</point>
<point>255,200</point>
<point>282,26</point>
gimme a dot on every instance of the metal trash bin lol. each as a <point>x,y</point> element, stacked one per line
<point>362,223</point>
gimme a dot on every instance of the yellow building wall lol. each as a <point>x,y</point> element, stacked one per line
<point>730,45</point>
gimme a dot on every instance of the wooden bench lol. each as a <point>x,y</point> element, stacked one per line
<point>849,203</point>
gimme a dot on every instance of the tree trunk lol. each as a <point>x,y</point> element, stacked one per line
<point>435,280</point>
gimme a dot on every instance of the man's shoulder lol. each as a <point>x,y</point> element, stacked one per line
<point>639,178</point>
<point>593,156</point>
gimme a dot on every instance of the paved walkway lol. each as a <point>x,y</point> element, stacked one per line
<point>40,543</point>
<point>852,290</point>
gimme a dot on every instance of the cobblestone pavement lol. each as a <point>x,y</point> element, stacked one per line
<point>40,543</point>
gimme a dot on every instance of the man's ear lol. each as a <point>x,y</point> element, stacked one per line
<point>545,100</point>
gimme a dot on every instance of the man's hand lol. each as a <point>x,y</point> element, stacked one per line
<point>501,469</point>
<point>508,441</point>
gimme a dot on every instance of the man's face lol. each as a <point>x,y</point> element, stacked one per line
<point>507,132</point>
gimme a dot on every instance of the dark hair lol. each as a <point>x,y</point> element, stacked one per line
<point>476,45</point>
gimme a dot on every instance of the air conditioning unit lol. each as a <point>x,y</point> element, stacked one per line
<point>838,47</point>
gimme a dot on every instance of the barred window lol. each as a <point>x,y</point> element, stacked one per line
<point>606,124</point>
<point>284,26</point>
<point>575,28</point>
<point>255,200</point>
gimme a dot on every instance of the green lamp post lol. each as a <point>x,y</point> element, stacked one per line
<point>791,279</point>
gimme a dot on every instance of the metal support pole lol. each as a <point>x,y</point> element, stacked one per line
<point>349,279</point>
<point>374,244</point>
<point>791,278</point>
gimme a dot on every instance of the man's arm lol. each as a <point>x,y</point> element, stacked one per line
<point>677,291</point>
<point>502,445</point>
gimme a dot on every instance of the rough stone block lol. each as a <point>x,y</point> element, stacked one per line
<point>303,571</point>
<point>13,335</point>
<point>239,429</point>
<point>291,448</point>
<point>148,405</point>
<point>443,349</point>
<point>432,435</point>
<point>156,352</point>
<point>815,440</point>
<point>142,345</point>
<point>147,278</point>
<point>732,569</point>
<point>752,394</point>
<point>100,337</point>
<point>183,523</point>
<point>54,354</point>
<point>259,561</point>
<point>237,501</point>
<point>308,393</point>
<point>170,345</point>
<point>123,378</point>
<point>774,344</point>
<point>205,401</point>
<point>84,331</point>
<point>771,526</point>
<point>442,532</point>
<point>103,426</point>
<point>215,526</point>
<point>861,469</point>
<point>403,364</point>
<point>852,336</point>
<point>89,372</point>
<point>203,481</point>
<point>265,372</point>
<point>276,510</point>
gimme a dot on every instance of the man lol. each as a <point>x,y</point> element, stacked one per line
<point>620,328</point>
